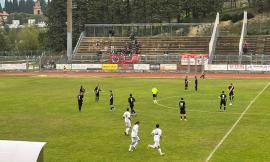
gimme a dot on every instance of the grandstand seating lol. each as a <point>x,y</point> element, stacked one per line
<point>267,46</point>
<point>251,42</point>
<point>227,46</point>
<point>148,45</point>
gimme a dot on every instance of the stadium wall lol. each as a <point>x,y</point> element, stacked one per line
<point>163,67</point>
<point>155,67</point>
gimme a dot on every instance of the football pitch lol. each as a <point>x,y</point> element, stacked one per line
<point>45,109</point>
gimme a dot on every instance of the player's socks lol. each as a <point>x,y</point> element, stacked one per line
<point>160,152</point>
<point>135,144</point>
<point>127,129</point>
<point>151,146</point>
<point>130,148</point>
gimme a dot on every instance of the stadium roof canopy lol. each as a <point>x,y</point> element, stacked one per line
<point>21,151</point>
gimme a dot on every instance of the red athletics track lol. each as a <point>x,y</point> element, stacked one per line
<point>126,74</point>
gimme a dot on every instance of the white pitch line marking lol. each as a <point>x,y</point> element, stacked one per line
<point>234,125</point>
<point>201,111</point>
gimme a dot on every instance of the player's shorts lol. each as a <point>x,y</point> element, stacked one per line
<point>131,106</point>
<point>222,102</point>
<point>156,144</point>
<point>154,95</point>
<point>182,111</point>
<point>128,123</point>
<point>111,102</point>
<point>135,139</point>
<point>231,94</point>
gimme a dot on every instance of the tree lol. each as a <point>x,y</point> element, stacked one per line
<point>1,9</point>
<point>260,5</point>
<point>15,5</point>
<point>4,42</point>
<point>57,25</point>
<point>22,6</point>
<point>43,6</point>
<point>29,6</point>
<point>28,39</point>
<point>8,6</point>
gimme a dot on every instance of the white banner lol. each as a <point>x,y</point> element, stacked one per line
<point>168,67</point>
<point>236,67</point>
<point>13,67</point>
<point>258,67</point>
<point>141,67</point>
<point>86,66</point>
<point>215,67</point>
<point>63,66</point>
<point>194,61</point>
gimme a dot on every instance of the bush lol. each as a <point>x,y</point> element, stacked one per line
<point>234,17</point>
<point>250,15</point>
<point>226,17</point>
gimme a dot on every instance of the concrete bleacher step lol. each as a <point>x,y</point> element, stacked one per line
<point>227,45</point>
<point>151,45</point>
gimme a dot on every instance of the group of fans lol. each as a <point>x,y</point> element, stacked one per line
<point>157,132</point>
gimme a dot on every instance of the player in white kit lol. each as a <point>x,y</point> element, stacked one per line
<point>126,117</point>
<point>157,135</point>
<point>134,137</point>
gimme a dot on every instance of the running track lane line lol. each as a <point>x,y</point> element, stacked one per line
<point>234,125</point>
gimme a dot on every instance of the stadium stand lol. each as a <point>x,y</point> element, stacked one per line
<point>267,46</point>
<point>148,45</point>
<point>227,46</point>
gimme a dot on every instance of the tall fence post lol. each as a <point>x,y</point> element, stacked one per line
<point>243,35</point>
<point>213,41</point>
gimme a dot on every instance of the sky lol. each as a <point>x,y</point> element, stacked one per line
<point>2,2</point>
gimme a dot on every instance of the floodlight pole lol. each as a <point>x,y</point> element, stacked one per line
<point>69,30</point>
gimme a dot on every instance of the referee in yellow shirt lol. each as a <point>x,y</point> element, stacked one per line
<point>155,93</point>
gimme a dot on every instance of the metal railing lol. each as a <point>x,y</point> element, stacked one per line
<point>256,59</point>
<point>78,43</point>
<point>213,41</point>
<point>149,29</point>
<point>243,35</point>
<point>47,62</point>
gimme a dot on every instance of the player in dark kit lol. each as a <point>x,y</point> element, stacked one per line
<point>111,101</point>
<point>186,83</point>
<point>182,107</point>
<point>196,83</point>
<point>131,101</point>
<point>223,100</point>
<point>82,90</point>
<point>80,101</point>
<point>96,91</point>
<point>231,93</point>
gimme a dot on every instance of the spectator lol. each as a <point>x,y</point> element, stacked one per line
<point>132,36</point>
<point>99,56</point>
<point>111,33</point>
<point>245,48</point>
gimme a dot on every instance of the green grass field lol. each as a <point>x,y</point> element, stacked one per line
<point>45,109</point>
